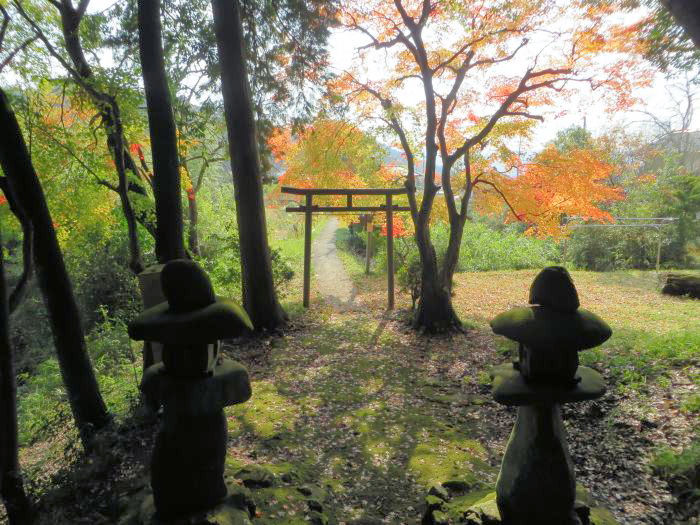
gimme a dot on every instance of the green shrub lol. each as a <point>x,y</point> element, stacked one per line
<point>483,248</point>
<point>42,401</point>
<point>681,471</point>
<point>609,248</point>
<point>102,282</point>
<point>222,261</point>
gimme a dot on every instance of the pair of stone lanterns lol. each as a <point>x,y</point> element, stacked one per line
<point>536,484</point>
<point>193,383</point>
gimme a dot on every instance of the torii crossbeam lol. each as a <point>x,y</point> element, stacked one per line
<point>309,208</point>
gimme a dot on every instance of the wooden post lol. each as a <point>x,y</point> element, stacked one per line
<point>307,251</point>
<point>390,249</point>
<point>658,252</point>
<point>368,248</point>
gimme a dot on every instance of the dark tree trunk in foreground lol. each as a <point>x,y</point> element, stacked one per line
<point>161,123</point>
<point>84,396</point>
<point>259,297</point>
<point>17,504</point>
<point>687,15</point>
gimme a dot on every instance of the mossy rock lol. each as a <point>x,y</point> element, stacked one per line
<point>236,509</point>
<point>483,512</point>
<point>255,476</point>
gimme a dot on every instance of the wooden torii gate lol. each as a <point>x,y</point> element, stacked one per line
<point>309,208</point>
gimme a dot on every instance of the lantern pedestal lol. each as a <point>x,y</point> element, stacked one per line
<point>187,467</point>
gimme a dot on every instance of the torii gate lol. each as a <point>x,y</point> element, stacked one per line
<point>309,208</point>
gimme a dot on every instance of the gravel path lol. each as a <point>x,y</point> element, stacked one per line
<point>332,279</point>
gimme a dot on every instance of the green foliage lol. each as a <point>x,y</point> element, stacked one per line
<point>691,405</point>
<point>484,248</point>
<point>666,189</point>
<point>681,471</point>
<point>222,263</point>
<point>43,404</point>
<point>102,283</point>
<point>609,248</point>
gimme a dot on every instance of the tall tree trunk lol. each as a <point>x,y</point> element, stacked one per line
<point>17,504</point>
<point>161,123</point>
<point>194,217</point>
<point>115,137</point>
<point>84,395</point>
<point>434,312</point>
<point>259,297</point>
<point>449,265</point>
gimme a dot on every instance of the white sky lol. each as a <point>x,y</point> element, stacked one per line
<point>656,98</point>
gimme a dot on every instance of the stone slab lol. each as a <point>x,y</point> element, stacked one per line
<point>510,388</point>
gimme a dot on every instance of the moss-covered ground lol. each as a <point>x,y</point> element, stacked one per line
<point>360,405</point>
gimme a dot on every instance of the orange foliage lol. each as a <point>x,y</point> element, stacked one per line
<point>553,186</point>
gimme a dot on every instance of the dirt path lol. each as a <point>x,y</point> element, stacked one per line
<point>332,279</point>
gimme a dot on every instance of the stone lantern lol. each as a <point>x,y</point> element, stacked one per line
<point>193,383</point>
<point>536,484</point>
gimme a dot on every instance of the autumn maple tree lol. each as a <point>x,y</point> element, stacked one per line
<point>333,153</point>
<point>488,71</point>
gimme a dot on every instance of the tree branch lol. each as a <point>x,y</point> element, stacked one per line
<point>19,48</point>
<point>523,87</point>
<point>505,199</point>
<point>19,292</point>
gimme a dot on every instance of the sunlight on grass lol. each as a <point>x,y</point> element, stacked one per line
<point>267,413</point>
<point>436,459</point>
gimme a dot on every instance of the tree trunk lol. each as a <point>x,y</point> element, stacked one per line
<point>193,241</point>
<point>84,396</point>
<point>435,312</point>
<point>166,176</point>
<point>449,265</point>
<point>17,504</point>
<point>259,297</point>
<point>687,15</point>
<point>115,134</point>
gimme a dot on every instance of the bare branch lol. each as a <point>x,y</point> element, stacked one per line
<point>523,114</point>
<point>19,48</point>
<point>497,190</point>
